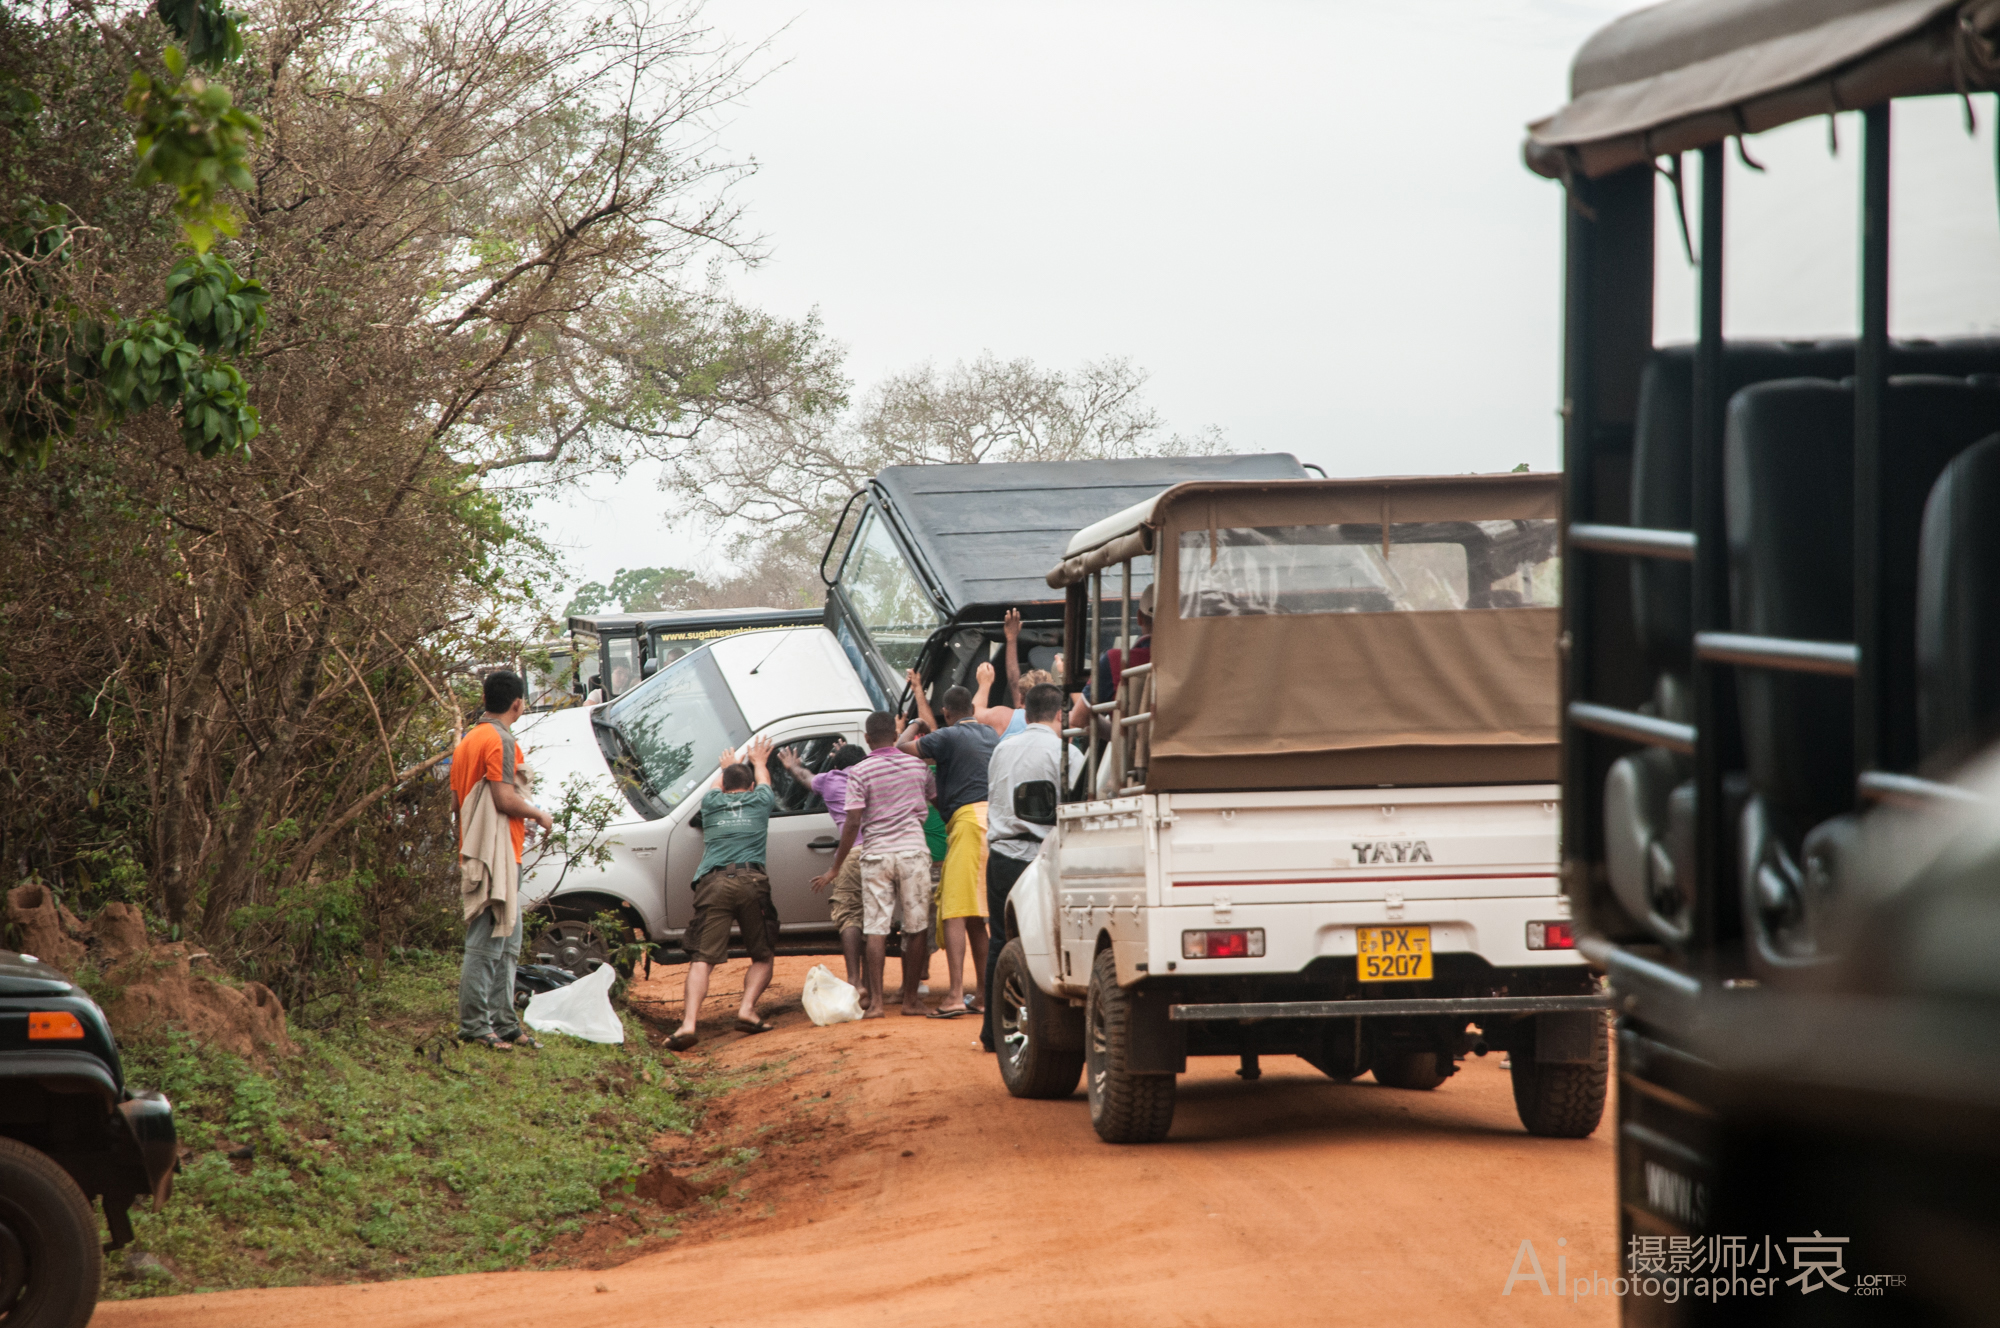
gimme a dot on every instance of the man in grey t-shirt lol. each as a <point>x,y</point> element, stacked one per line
<point>1011,843</point>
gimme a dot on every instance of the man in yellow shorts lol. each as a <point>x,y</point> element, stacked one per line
<point>961,747</point>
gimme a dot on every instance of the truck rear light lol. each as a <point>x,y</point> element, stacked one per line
<point>1243,943</point>
<point>1551,936</point>
<point>54,1026</point>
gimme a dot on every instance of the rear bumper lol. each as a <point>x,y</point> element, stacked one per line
<point>1469,1006</point>
<point>1297,934</point>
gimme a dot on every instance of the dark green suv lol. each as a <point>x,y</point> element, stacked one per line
<point>70,1132</point>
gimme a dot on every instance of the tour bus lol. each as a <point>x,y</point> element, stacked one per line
<point>1781,600</point>
<point>630,647</point>
<point>940,553</point>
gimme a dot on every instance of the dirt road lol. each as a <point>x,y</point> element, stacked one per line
<point>897,1184</point>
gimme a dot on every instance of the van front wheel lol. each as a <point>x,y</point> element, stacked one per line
<point>1125,1108</point>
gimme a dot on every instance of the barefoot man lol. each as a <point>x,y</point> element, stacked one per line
<point>730,886</point>
<point>888,797</point>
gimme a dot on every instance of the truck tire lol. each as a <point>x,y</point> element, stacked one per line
<point>1125,1108</point>
<point>50,1261</point>
<point>1562,1101</point>
<point>1039,1038</point>
<point>1398,1068</point>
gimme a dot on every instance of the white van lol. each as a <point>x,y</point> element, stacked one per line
<point>653,750</point>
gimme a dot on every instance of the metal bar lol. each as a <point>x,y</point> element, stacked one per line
<point>1633,727</point>
<point>1130,789</point>
<point>1096,636</point>
<point>1104,707</point>
<point>1909,791</point>
<point>1469,1005</point>
<point>1711,571</point>
<point>1137,670</point>
<point>1639,541</point>
<point>1118,743</point>
<point>1835,658</point>
<point>1129,720</point>
<point>1074,733</point>
<point>1871,373</point>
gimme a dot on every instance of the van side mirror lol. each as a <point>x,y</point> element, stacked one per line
<point>1035,802</point>
<point>649,668</point>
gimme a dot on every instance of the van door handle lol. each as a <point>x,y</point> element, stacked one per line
<point>826,844</point>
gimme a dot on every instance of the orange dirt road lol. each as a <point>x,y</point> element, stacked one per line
<point>917,1192</point>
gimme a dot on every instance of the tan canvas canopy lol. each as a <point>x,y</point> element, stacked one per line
<point>1298,689</point>
<point>1688,73</point>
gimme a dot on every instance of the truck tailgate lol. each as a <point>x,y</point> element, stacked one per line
<point>1358,844</point>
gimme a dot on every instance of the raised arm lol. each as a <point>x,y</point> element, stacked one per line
<point>760,760</point>
<point>994,717</point>
<point>1011,625</point>
<point>923,702</point>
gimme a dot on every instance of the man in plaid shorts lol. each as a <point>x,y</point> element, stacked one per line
<point>888,797</point>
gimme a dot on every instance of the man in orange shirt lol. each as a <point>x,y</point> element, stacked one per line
<point>488,756</point>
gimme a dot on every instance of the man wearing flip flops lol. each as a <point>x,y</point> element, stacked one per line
<point>730,886</point>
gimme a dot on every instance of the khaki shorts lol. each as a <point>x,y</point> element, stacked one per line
<point>896,887</point>
<point>845,894</point>
<point>741,895</point>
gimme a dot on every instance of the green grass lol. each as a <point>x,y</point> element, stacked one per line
<point>372,1161</point>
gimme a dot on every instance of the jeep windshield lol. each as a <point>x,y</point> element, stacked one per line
<point>666,736</point>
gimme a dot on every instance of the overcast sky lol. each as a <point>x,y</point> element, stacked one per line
<point>1308,222</point>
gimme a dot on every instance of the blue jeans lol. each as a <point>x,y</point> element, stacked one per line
<point>486,979</point>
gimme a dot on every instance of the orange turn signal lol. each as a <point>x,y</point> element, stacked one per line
<point>54,1026</point>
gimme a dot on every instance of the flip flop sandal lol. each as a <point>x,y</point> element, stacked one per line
<point>524,1039</point>
<point>681,1041</point>
<point>492,1042</point>
<point>746,1026</point>
<point>948,1014</point>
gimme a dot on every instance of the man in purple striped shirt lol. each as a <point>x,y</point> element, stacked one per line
<point>888,797</point>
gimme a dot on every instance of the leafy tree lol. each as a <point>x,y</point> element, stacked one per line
<point>241,678</point>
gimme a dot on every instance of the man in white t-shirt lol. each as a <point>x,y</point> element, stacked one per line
<point>1030,756</point>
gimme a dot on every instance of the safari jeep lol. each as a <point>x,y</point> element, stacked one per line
<point>1322,820</point>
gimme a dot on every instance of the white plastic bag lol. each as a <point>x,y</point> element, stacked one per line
<point>582,1009</point>
<point>828,1000</point>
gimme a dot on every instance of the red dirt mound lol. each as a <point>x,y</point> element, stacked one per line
<point>43,927</point>
<point>158,987</point>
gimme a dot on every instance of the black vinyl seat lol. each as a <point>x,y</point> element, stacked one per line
<point>1649,795</point>
<point>1789,493</point>
<point>1958,612</point>
<point>1649,799</point>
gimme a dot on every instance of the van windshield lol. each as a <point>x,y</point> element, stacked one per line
<point>1423,566</point>
<point>667,735</point>
<point>886,595</point>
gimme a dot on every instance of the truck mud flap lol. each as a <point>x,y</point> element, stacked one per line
<point>1159,1042</point>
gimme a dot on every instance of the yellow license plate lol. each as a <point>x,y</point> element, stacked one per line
<point>1392,954</point>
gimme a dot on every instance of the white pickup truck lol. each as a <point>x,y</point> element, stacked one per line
<point>1322,817</point>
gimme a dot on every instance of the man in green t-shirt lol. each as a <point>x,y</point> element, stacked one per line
<point>730,885</point>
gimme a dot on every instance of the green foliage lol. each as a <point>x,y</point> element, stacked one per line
<point>212,33</point>
<point>371,1161</point>
<point>636,590</point>
<point>192,136</point>
<point>579,837</point>
<point>216,309</point>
